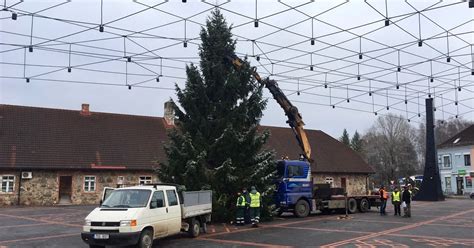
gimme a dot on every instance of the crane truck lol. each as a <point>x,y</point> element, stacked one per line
<point>295,191</point>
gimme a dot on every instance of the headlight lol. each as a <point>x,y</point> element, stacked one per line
<point>128,223</point>
<point>87,223</point>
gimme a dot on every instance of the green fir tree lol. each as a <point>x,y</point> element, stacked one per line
<point>356,142</point>
<point>216,143</point>
<point>345,139</point>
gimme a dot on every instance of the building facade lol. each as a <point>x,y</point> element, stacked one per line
<point>54,156</point>
<point>456,163</point>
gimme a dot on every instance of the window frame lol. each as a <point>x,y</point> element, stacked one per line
<point>145,180</point>
<point>164,198</point>
<point>467,155</point>
<point>450,161</point>
<point>170,203</point>
<point>88,182</point>
<point>466,180</point>
<point>10,183</point>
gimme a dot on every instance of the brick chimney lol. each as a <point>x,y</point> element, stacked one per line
<point>85,109</point>
<point>169,113</point>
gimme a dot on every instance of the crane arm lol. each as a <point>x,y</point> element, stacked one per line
<point>294,117</point>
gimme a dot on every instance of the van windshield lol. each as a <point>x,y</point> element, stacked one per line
<point>127,198</point>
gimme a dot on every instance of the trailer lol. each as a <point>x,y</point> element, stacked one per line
<point>296,193</point>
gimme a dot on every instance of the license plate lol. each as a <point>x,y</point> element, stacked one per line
<point>101,236</point>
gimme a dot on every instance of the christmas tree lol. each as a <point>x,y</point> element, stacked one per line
<point>217,143</point>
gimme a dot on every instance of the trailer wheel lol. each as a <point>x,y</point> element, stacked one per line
<point>302,209</point>
<point>194,228</point>
<point>352,205</point>
<point>364,205</point>
<point>146,239</point>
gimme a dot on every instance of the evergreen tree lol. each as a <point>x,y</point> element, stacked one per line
<point>216,144</point>
<point>345,139</point>
<point>356,142</point>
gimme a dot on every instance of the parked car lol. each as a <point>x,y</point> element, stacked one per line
<point>138,215</point>
<point>472,195</point>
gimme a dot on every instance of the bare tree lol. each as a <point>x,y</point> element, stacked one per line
<point>390,147</point>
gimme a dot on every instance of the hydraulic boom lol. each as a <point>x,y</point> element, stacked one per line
<point>294,117</point>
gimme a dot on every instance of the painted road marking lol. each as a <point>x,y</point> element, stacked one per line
<point>344,242</point>
<point>39,238</point>
<point>38,220</point>
<point>222,241</point>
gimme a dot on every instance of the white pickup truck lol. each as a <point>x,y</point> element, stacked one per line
<point>138,215</point>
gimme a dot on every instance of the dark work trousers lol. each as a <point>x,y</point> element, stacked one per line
<point>407,210</point>
<point>239,216</point>
<point>247,215</point>
<point>255,215</point>
<point>396,207</point>
<point>383,205</point>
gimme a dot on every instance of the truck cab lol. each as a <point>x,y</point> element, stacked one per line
<point>138,215</point>
<point>294,187</point>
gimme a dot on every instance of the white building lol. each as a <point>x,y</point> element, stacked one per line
<point>456,162</point>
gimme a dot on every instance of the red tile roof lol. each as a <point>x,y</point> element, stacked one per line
<point>34,137</point>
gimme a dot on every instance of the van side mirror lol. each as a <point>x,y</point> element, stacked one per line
<point>100,203</point>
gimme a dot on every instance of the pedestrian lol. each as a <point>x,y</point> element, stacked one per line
<point>406,198</point>
<point>246,195</point>
<point>240,212</point>
<point>396,201</point>
<point>383,200</point>
<point>255,200</point>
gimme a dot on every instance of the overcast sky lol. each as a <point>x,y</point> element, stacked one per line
<point>155,42</point>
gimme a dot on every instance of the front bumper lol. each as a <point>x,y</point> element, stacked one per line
<point>122,239</point>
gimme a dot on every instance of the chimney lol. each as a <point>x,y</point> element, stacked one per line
<point>169,113</point>
<point>85,109</point>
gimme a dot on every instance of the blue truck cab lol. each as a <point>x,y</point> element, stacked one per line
<point>294,187</point>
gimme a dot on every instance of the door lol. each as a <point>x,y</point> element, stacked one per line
<point>65,189</point>
<point>157,214</point>
<point>174,211</point>
<point>459,185</point>
<point>343,184</point>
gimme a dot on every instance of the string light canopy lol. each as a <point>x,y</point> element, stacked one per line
<point>357,49</point>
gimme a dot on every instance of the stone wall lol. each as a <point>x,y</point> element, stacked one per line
<point>43,188</point>
<point>356,183</point>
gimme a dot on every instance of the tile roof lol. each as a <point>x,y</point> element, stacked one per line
<point>463,138</point>
<point>32,137</point>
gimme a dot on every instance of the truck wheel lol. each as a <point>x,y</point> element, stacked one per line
<point>302,208</point>
<point>363,205</point>
<point>146,239</point>
<point>352,206</point>
<point>194,228</point>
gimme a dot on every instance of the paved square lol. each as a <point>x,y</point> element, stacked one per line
<point>434,224</point>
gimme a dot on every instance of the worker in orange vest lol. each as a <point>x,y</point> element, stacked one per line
<point>383,200</point>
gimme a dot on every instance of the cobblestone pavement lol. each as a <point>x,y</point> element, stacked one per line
<point>433,224</point>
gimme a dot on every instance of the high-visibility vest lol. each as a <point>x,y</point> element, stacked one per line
<point>255,200</point>
<point>240,201</point>
<point>396,196</point>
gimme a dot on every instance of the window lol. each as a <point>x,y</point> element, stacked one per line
<point>89,183</point>
<point>127,198</point>
<point>468,182</point>
<point>467,159</point>
<point>295,171</point>
<point>8,181</point>
<point>120,180</point>
<point>144,180</point>
<point>447,181</point>
<point>159,198</point>
<point>446,161</point>
<point>172,200</point>
<point>329,180</point>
